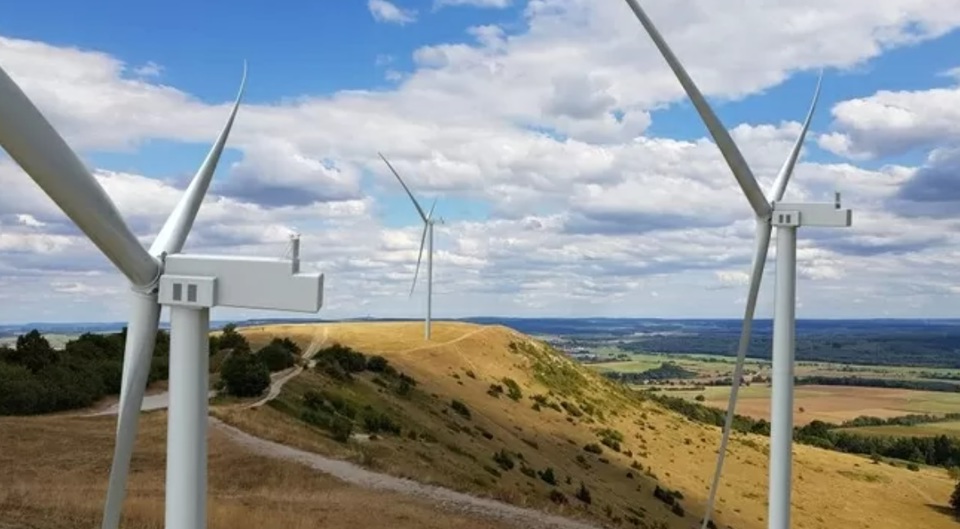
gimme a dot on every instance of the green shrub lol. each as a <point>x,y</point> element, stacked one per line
<point>513,389</point>
<point>583,494</point>
<point>377,364</point>
<point>593,448</point>
<point>375,422</point>
<point>276,356</point>
<point>572,409</point>
<point>460,408</point>
<point>341,428</point>
<point>913,466</point>
<point>244,375</point>
<point>548,477</point>
<point>503,459</point>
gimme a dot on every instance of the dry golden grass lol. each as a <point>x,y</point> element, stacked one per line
<point>833,403</point>
<point>54,474</point>
<point>831,489</point>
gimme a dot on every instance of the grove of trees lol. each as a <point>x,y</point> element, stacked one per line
<point>35,378</point>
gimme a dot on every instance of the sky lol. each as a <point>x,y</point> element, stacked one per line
<point>573,175</point>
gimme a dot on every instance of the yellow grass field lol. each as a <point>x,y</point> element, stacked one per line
<point>55,475</point>
<point>679,453</point>
<point>833,403</point>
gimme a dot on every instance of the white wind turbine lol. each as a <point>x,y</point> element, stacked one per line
<point>426,237</point>
<point>787,218</point>
<point>189,284</point>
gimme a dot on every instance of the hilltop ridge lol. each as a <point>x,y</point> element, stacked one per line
<point>525,408</point>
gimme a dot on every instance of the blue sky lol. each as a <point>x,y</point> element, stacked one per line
<point>567,223</point>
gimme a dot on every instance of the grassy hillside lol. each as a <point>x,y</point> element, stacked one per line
<point>55,472</point>
<point>546,411</point>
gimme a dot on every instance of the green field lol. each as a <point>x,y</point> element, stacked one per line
<point>951,429</point>
<point>716,366</point>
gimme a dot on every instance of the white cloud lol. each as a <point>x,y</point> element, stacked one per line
<point>495,4</point>
<point>384,11</point>
<point>546,128</point>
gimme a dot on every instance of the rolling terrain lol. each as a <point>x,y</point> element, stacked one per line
<point>475,392</point>
<point>574,408</point>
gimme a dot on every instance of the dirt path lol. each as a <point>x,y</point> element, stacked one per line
<point>441,344</point>
<point>276,384</point>
<point>356,475</point>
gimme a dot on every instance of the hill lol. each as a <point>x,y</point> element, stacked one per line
<point>488,410</point>
<point>55,472</point>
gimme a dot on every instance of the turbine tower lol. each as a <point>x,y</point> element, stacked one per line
<point>426,237</point>
<point>770,212</point>
<point>189,284</point>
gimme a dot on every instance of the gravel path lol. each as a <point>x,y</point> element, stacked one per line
<point>444,498</point>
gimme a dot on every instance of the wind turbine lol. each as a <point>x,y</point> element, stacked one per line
<point>189,284</point>
<point>787,218</point>
<point>426,237</point>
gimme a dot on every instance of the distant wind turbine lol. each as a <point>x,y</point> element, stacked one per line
<point>426,237</point>
<point>787,218</point>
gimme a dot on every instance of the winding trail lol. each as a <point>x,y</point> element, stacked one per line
<point>353,474</point>
<point>279,379</point>
<point>356,475</point>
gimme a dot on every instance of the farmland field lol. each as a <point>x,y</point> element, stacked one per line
<point>714,366</point>
<point>950,428</point>
<point>833,403</point>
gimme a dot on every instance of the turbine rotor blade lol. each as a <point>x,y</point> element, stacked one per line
<point>783,177</point>
<point>34,144</point>
<point>733,156</point>
<point>405,188</point>
<point>756,275</point>
<point>423,240</point>
<point>137,354</point>
<point>177,228</point>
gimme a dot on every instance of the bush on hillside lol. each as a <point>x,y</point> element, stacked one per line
<point>276,356</point>
<point>460,408</point>
<point>513,389</point>
<point>583,494</point>
<point>503,459</point>
<point>593,448</point>
<point>548,477</point>
<point>244,375</point>
<point>955,499</point>
<point>231,339</point>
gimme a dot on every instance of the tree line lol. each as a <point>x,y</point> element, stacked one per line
<point>937,451</point>
<point>35,378</point>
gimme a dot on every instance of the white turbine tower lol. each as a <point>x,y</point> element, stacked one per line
<point>189,284</point>
<point>787,218</point>
<point>426,237</point>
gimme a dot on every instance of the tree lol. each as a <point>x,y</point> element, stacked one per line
<point>245,375</point>
<point>33,351</point>
<point>231,339</point>
<point>276,356</point>
<point>955,499</point>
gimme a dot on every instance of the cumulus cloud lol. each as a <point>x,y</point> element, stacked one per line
<point>548,127</point>
<point>384,11</point>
